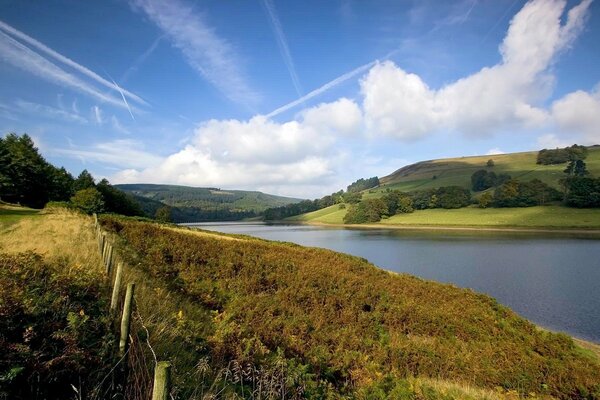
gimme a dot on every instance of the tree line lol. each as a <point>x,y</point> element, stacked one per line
<point>352,195</point>
<point>26,178</point>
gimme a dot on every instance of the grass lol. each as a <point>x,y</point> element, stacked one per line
<point>237,317</point>
<point>546,217</point>
<point>458,171</point>
<point>10,214</point>
<point>351,331</point>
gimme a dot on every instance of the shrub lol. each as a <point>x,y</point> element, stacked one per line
<point>88,200</point>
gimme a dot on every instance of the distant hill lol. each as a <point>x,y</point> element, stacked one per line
<point>192,204</point>
<point>457,171</point>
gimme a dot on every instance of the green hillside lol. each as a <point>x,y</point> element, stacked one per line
<point>192,204</point>
<point>458,171</point>
<point>433,174</point>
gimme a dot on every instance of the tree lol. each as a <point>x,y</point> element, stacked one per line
<point>576,168</point>
<point>24,172</point>
<point>85,180</point>
<point>61,184</point>
<point>117,201</point>
<point>490,163</point>
<point>485,200</point>
<point>453,197</point>
<point>583,192</point>
<point>88,200</point>
<point>163,214</point>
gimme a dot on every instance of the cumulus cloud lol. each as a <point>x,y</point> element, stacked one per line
<point>258,152</point>
<point>402,105</point>
<point>579,112</point>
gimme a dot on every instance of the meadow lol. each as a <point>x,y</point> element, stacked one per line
<point>541,217</point>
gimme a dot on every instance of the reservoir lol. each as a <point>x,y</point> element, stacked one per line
<point>551,279</point>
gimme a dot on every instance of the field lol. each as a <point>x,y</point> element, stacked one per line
<point>546,217</point>
<point>458,171</point>
<point>10,214</point>
<point>239,316</point>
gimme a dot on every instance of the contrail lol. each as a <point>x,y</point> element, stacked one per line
<point>282,43</point>
<point>322,89</point>
<point>124,99</point>
<point>85,71</point>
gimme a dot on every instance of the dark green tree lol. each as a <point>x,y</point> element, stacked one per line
<point>24,172</point>
<point>576,168</point>
<point>85,180</point>
<point>117,201</point>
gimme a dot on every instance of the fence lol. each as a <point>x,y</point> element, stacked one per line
<point>161,386</point>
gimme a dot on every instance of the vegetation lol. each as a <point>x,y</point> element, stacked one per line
<point>458,171</point>
<point>26,178</point>
<point>561,156</point>
<point>353,330</point>
<point>546,217</point>
<point>582,191</point>
<point>482,180</point>
<point>190,204</point>
<point>53,329</point>
<point>363,184</point>
<point>524,194</point>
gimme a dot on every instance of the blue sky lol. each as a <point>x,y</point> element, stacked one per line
<point>294,98</point>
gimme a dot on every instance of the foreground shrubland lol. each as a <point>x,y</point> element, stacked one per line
<point>307,322</point>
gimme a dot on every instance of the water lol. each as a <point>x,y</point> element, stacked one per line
<point>551,279</point>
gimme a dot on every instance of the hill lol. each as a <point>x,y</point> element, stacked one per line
<point>457,171</point>
<point>244,317</point>
<point>192,204</point>
<point>433,174</point>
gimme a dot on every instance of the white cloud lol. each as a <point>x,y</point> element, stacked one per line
<point>551,141</point>
<point>97,115</point>
<point>34,109</point>
<point>297,155</point>
<point>122,153</point>
<point>494,151</point>
<point>342,116</point>
<point>400,104</point>
<point>211,56</point>
<point>579,113</point>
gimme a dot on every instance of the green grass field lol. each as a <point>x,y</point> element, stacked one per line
<point>12,214</point>
<point>548,217</point>
<point>458,171</point>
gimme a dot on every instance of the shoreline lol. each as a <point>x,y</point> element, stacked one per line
<point>510,229</point>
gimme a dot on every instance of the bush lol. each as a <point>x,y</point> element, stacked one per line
<point>88,200</point>
<point>52,330</point>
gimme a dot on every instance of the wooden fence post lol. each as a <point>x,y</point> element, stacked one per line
<point>101,239</point>
<point>116,288</point>
<point>109,260</point>
<point>126,319</point>
<point>162,381</point>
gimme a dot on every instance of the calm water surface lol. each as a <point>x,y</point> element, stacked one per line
<point>553,280</point>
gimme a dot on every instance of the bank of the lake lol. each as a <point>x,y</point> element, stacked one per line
<point>534,219</point>
<point>548,277</point>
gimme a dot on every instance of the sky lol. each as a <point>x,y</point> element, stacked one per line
<point>296,98</point>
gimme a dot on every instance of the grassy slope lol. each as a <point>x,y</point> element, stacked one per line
<point>185,196</point>
<point>270,295</point>
<point>547,217</point>
<point>458,171</point>
<point>353,326</point>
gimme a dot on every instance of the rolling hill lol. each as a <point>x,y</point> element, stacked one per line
<point>192,204</point>
<point>457,171</point>
<point>433,174</point>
